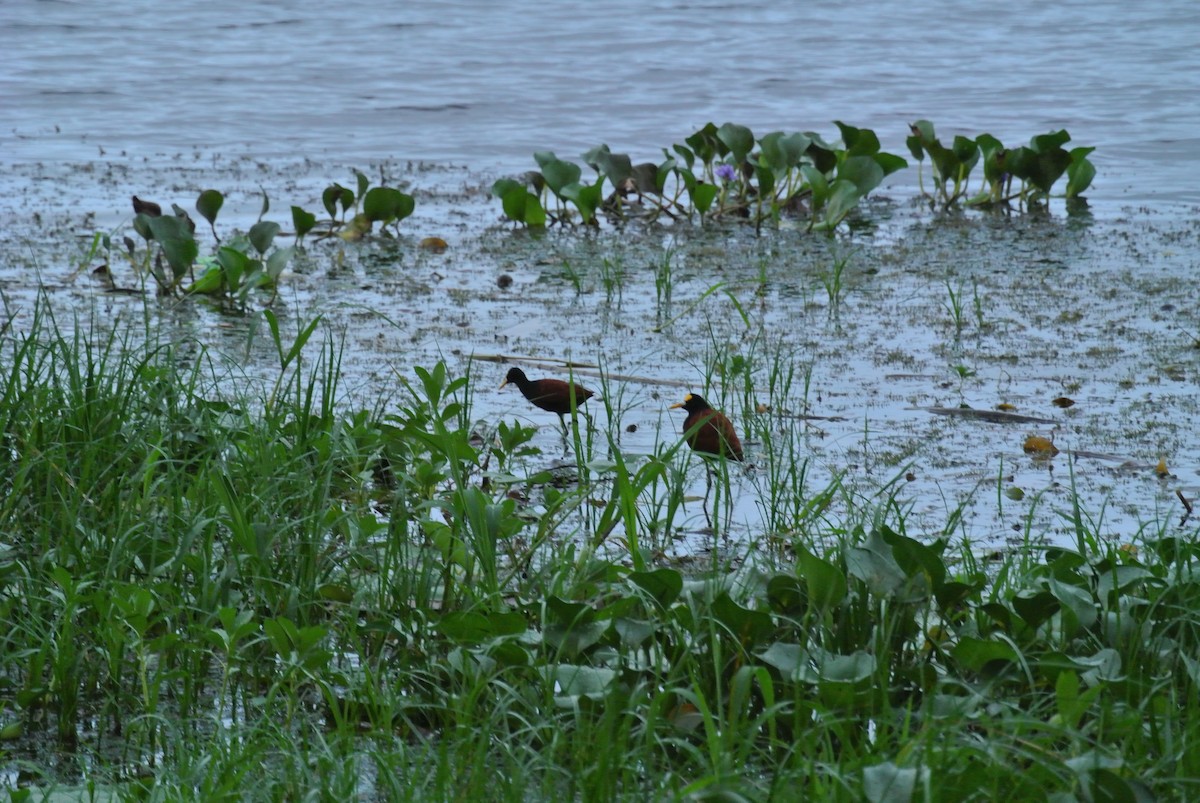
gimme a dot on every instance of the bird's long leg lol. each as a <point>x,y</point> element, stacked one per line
<point>708,483</point>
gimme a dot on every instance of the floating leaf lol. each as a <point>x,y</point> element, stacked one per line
<point>1038,446</point>
<point>209,204</point>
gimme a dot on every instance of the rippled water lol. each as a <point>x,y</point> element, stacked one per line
<point>486,83</point>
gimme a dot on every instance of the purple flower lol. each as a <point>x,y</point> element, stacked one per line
<point>725,172</point>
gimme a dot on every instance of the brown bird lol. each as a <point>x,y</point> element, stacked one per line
<point>148,208</point>
<point>707,430</point>
<point>553,395</point>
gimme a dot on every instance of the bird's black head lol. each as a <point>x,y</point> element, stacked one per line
<point>692,403</point>
<point>516,376</point>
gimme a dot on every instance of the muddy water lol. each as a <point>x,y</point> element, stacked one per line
<point>932,312</point>
<point>487,83</point>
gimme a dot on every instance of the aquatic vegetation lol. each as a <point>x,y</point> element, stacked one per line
<point>1037,167</point>
<point>250,260</point>
<point>717,172</point>
<point>216,596</point>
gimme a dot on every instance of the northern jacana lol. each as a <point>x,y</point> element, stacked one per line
<point>708,431</point>
<point>552,395</point>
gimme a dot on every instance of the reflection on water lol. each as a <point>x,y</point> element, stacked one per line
<point>487,83</point>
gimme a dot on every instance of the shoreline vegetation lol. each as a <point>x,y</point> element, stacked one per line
<point>210,596</point>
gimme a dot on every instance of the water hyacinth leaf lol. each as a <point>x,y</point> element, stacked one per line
<point>1080,173</point>
<point>210,282</point>
<point>889,162</point>
<point>616,167</point>
<point>783,152</point>
<point>702,196</point>
<point>966,150</point>
<point>858,141</point>
<point>786,595</point>
<point>863,171</point>
<point>336,195</point>
<point>363,183</point>
<point>706,144</point>
<point>766,181</point>
<point>471,627</point>
<point>209,204</point>
<point>1035,608</point>
<point>826,582</point>
<point>663,585</point>
<point>141,224</point>
<point>277,261</point>
<point>235,264</point>
<point>738,139</point>
<point>385,204</point>
<point>792,660</point>
<point>504,186</point>
<point>750,627</point>
<point>823,156</point>
<point>887,783</point>
<point>303,221</point>
<point>178,244</point>
<point>586,198</point>
<point>844,195</point>
<point>266,204</point>
<point>818,184</point>
<point>689,158</point>
<point>855,668</point>
<point>557,173</point>
<point>581,681</point>
<point>915,557</point>
<point>262,234</point>
<point>874,565</point>
<point>1053,141</point>
<point>1079,603</point>
<point>976,654</point>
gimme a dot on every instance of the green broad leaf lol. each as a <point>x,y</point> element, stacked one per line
<point>889,162</point>
<point>581,681</point>
<point>786,594</point>
<point>782,152</point>
<point>1044,143</point>
<point>738,139</point>
<point>387,204</point>
<point>209,204</point>
<point>750,627</point>
<point>766,181</point>
<point>363,183</point>
<point>266,204</point>
<point>683,152</point>
<point>302,221</point>
<point>262,234</point>
<point>235,266</point>
<point>844,195</point>
<point>211,282</point>
<point>1035,608</point>
<point>966,150</point>
<point>976,654</point>
<point>663,585</point>
<point>702,196</point>
<point>874,565</point>
<point>862,171</point>
<point>792,660</point>
<point>336,195</point>
<point>471,627</point>
<point>504,186</point>
<point>557,173</point>
<point>706,145</point>
<point>178,244</point>
<point>822,156</point>
<point>915,558</point>
<point>586,197</point>
<point>858,141</point>
<point>1081,172</point>
<point>1048,168</point>
<point>826,583</point>
<point>616,167</point>
<point>923,131</point>
<point>818,184</point>
<point>1078,603</point>
<point>854,668</point>
<point>916,147</point>
<point>887,783</point>
<point>277,261</point>
<point>535,214</point>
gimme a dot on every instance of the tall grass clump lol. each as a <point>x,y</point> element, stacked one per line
<point>267,593</point>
